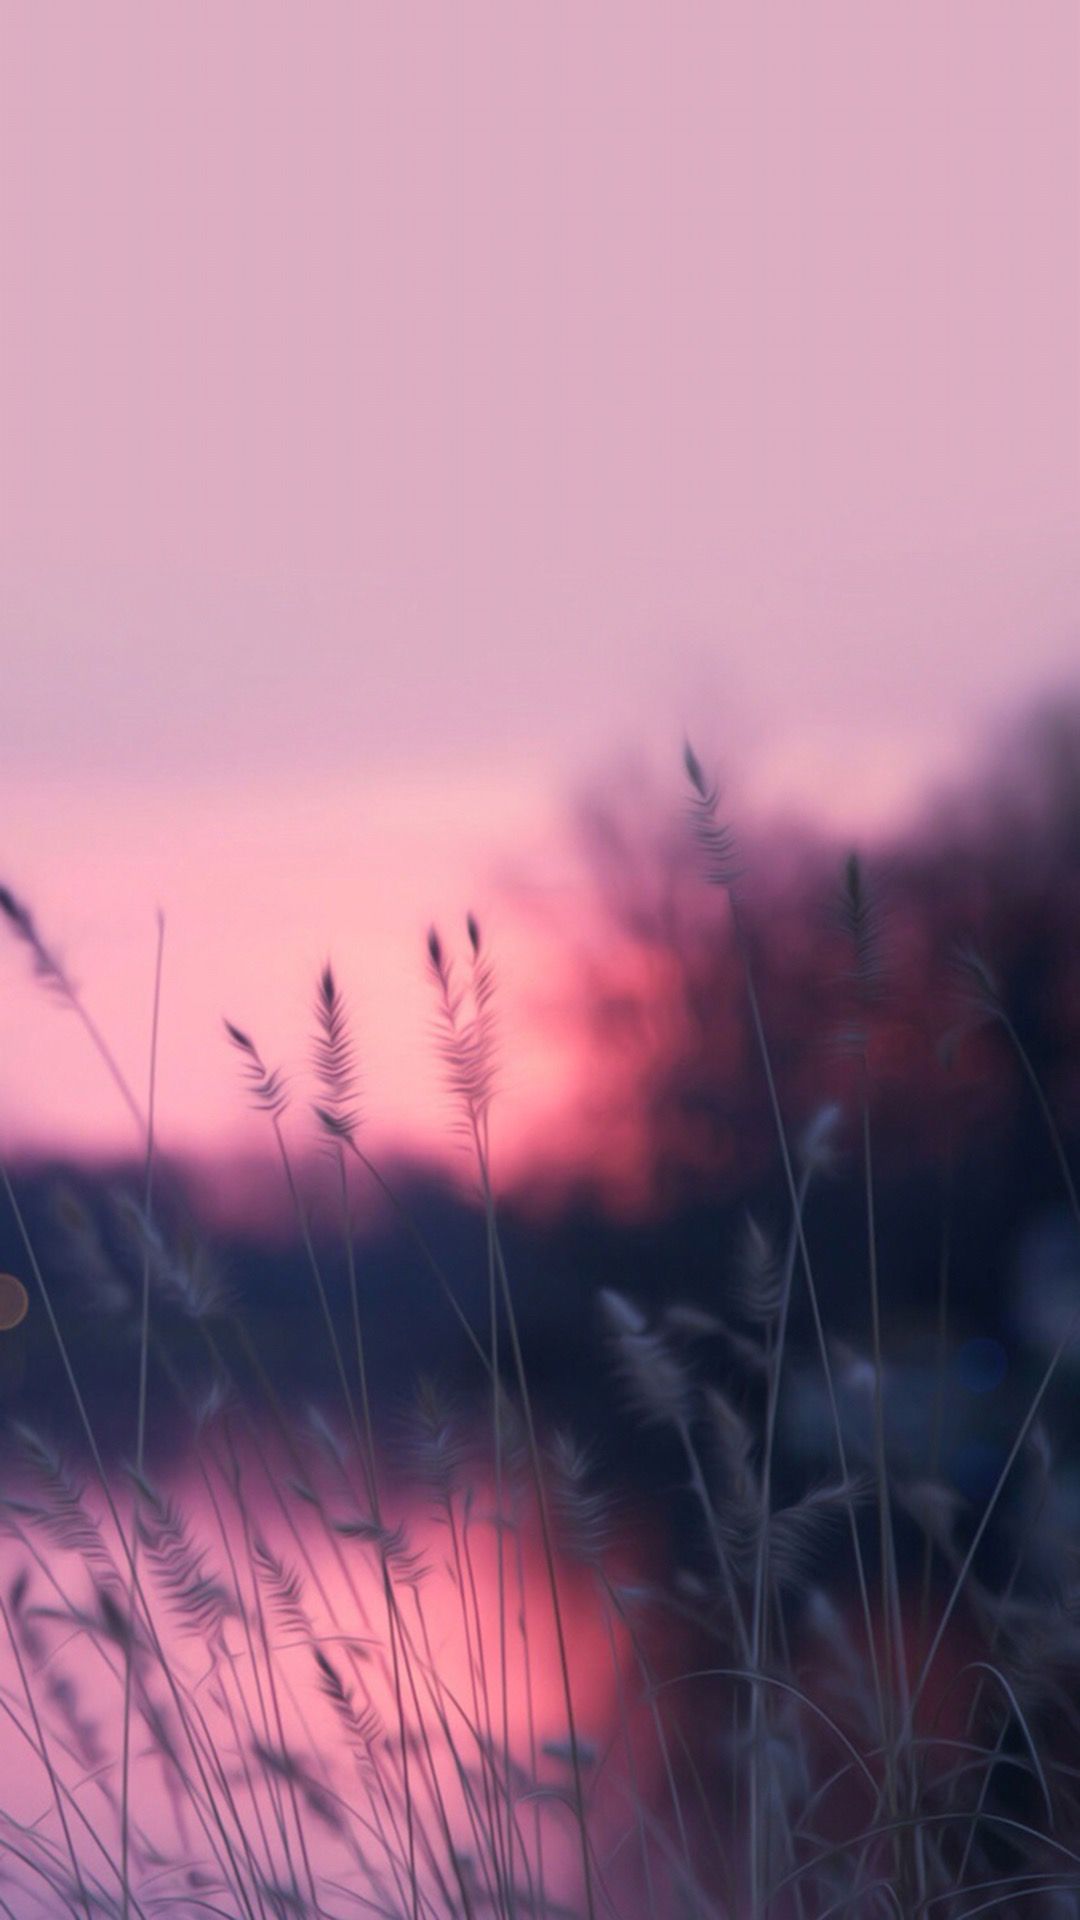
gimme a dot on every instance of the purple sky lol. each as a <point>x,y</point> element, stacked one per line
<point>405,408</point>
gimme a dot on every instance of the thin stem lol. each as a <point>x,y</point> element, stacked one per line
<point>423,1248</point>
<point>812,1294</point>
<point>140,1424</point>
<point>58,1797</point>
<point>1068,1336</point>
<point>545,1523</point>
<point>937,1419</point>
<point>758,1613</point>
<point>103,1479</point>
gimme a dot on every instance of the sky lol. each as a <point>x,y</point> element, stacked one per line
<point>408,412</point>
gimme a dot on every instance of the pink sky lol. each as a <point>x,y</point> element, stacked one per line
<point>406,408</point>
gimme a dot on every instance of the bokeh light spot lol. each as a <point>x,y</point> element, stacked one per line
<point>14,1302</point>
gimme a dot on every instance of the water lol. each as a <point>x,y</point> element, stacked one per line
<point>308,1733</point>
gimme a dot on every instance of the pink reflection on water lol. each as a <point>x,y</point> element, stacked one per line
<point>271,1678</point>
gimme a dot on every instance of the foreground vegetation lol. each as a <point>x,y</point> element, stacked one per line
<point>322,1667</point>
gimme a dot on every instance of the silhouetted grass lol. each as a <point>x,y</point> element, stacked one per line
<point>325,1665</point>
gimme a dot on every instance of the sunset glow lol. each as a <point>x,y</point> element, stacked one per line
<point>369,400</point>
<point>539,959</point>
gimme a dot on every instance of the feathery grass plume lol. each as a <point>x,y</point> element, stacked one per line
<point>56,978</point>
<point>45,962</point>
<point>266,1086</point>
<point>277,1760</point>
<point>320,1804</point>
<point>211,1401</point>
<point>856,917</point>
<point>107,1621</point>
<point>466,1028</point>
<point>799,1534</point>
<point>580,1511</point>
<point>199,1601</point>
<point>186,1274</point>
<point>30,1639</point>
<point>979,987</point>
<point>817,1151</point>
<point>284,1586</point>
<point>715,838</point>
<point>935,1507</point>
<point>739,1499</point>
<point>283,1900</point>
<point>81,1249</point>
<point>407,1564</point>
<point>563,1752</point>
<point>433,1441</point>
<point>85,1731</point>
<point>483,992</point>
<point>334,1060</point>
<point>63,1514</point>
<point>861,919</point>
<point>621,1315</point>
<point>326,1437</point>
<point>692,1322</point>
<point>362,1727</point>
<point>749,1349</point>
<point>285,1766</point>
<point>757,1275</point>
<point>852,1370</point>
<point>19,1586</point>
<point>116,1620</point>
<point>657,1384</point>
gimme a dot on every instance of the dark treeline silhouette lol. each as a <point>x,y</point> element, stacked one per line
<point>685,1141</point>
<point>677,1089</point>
